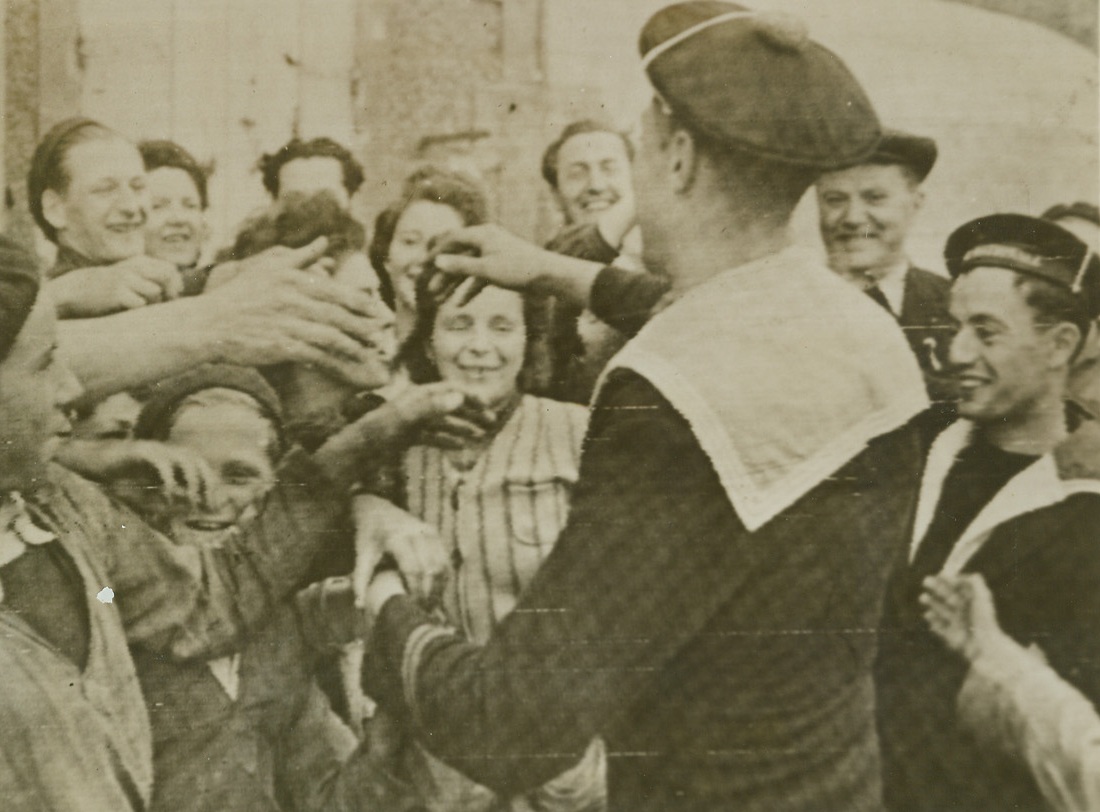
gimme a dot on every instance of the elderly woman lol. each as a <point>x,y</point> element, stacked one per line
<point>498,502</point>
<point>433,202</point>
<point>252,729</point>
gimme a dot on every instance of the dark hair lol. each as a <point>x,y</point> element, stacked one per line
<point>1080,210</point>
<point>534,377</point>
<point>297,220</point>
<point>159,154</point>
<point>587,125</point>
<point>48,165</point>
<point>1054,304</point>
<point>433,184</point>
<point>271,164</point>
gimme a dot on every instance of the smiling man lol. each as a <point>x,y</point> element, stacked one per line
<point>866,212</point>
<point>589,170</point>
<point>1010,491</point>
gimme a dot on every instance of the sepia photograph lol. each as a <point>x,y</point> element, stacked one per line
<point>550,406</point>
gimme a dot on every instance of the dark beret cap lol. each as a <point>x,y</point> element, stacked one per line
<point>1080,210</point>
<point>756,82</point>
<point>916,152</point>
<point>44,165</point>
<point>1029,246</point>
<point>19,284</point>
<point>164,399</point>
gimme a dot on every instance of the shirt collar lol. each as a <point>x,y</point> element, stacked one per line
<point>17,530</point>
<point>892,285</point>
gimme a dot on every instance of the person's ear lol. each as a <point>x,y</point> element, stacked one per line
<point>918,198</point>
<point>682,160</point>
<point>1064,339</point>
<point>53,209</point>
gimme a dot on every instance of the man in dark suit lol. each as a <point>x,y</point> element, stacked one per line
<point>866,212</point>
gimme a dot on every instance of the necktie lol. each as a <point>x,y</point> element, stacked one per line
<point>876,294</point>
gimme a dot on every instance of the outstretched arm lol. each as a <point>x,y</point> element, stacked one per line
<point>648,519</point>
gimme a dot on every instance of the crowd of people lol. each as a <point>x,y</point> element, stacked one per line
<point>667,514</point>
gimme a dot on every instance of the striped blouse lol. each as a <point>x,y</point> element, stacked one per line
<point>503,515</point>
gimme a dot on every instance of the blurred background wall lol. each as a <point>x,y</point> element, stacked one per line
<point>1008,88</point>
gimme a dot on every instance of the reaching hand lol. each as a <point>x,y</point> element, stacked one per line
<point>270,312</point>
<point>142,472</point>
<point>382,528</point>
<point>490,253</point>
<point>124,285</point>
<point>960,610</point>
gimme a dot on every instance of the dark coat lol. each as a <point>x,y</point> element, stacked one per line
<point>727,670</point>
<point>926,320</point>
<point>1039,552</point>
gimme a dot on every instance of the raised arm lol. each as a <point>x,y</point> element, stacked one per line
<point>621,298</point>
<point>587,637</point>
<point>189,601</point>
<point>268,313</point>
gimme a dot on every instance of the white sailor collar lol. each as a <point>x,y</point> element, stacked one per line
<point>1052,478</point>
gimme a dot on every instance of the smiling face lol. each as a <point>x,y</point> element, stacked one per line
<point>480,347</point>
<point>594,175</point>
<point>176,226</point>
<point>865,215</point>
<point>1005,363</point>
<point>101,214</point>
<point>35,388</point>
<point>226,429</point>
<point>419,223</point>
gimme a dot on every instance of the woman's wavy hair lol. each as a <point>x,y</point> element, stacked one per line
<point>534,377</point>
<point>435,185</point>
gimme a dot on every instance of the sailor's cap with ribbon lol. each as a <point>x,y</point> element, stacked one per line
<point>754,81</point>
<point>1029,246</point>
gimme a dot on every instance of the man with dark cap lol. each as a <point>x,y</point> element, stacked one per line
<point>865,214</point>
<point>747,478</point>
<point>1011,491</point>
<point>1080,219</point>
<point>1083,220</point>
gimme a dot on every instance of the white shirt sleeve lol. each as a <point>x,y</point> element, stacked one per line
<point>1011,699</point>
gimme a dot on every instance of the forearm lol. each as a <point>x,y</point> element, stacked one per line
<point>585,640</point>
<point>128,350</point>
<point>568,278</point>
<point>193,602</point>
<point>1023,707</point>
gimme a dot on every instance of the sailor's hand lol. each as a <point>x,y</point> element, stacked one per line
<point>960,611</point>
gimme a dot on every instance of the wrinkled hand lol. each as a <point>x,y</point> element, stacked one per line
<point>124,285</point>
<point>960,610</point>
<point>270,312</point>
<point>142,472</point>
<point>421,556</point>
<point>440,415</point>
